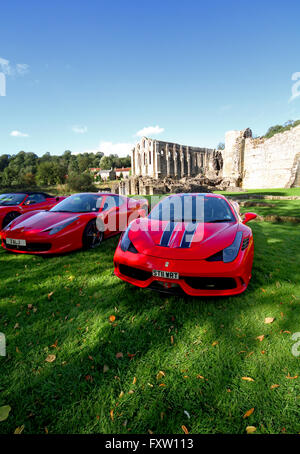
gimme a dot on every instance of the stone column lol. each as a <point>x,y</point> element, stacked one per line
<point>133,161</point>
<point>168,160</point>
<point>157,159</point>
<point>175,161</point>
<point>188,157</point>
<point>181,162</point>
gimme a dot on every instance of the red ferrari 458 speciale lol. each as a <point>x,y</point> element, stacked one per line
<point>14,204</point>
<point>79,221</point>
<point>195,244</point>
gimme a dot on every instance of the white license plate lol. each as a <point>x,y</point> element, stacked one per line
<point>165,274</point>
<point>13,242</point>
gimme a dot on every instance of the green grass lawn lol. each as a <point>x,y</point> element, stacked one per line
<point>277,192</point>
<point>61,306</point>
<point>274,207</point>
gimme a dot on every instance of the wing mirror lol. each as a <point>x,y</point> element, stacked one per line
<point>248,217</point>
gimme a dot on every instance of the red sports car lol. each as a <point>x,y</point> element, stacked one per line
<point>193,244</point>
<point>14,204</point>
<point>81,220</point>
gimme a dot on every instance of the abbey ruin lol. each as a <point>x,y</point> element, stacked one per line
<point>245,163</point>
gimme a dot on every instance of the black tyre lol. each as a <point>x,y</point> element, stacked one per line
<point>9,217</point>
<point>92,237</point>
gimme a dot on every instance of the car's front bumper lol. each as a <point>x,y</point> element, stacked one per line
<point>196,277</point>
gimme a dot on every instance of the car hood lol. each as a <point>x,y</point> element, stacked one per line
<point>183,240</point>
<point>39,221</point>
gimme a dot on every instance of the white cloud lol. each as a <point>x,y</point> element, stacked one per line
<point>22,68</point>
<point>19,69</point>
<point>79,129</point>
<point>121,148</point>
<point>18,134</point>
<point>149,131</point>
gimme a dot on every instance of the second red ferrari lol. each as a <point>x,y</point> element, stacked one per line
<point>79,221</point>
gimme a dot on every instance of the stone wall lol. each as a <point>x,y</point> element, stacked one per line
<point>262,163</point>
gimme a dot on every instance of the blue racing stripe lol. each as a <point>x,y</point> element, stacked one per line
<point>166,236</point>
<point>188,235</point>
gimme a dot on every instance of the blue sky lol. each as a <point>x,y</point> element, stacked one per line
<point>88,75</point>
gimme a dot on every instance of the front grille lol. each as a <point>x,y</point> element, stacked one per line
<point>171,289</point>
<point>134,273</point>
<point>30,247</point>
<point>211,283</point>
<point>245,243</point>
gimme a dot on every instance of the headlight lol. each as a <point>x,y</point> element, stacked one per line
<point>231,252</point>
<point>126,244</point>
<point>54,230</point>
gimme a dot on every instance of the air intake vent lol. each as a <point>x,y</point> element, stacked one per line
<point>245,243</point>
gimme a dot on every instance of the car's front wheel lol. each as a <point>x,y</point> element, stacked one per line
<point>92,237</point>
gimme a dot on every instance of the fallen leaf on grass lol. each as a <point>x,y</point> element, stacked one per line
<point>187,414</point>
<point>30,306</point>
<point>172,340</point>
<point>4,412</point>
<point>16,326</point>
<point>49,295</point>
<point>250,429</point>
<point>162,384</point>
<point>112,318</point>
<point>131,355</point>
<point>248,413</point>
<point>269,320</point>
<point>111,415</point>
<point>50,358</point>
<point>160,375</point>
<point>105,368</point>
<point>290,377</point>
<point>119,355</point>
<point>215,343</point>
<point>121,394</point>
<point>19,430</point>
<point>247,378</point>
<point>185,430</point>
<point>261,338</point>
<point>274,386</point>
<point>200,376</point>
<point>55,344</point>
<point>134,381</point>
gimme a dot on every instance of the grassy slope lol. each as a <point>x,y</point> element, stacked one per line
<point>58,395</point>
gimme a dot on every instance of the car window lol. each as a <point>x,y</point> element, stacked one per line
<point>11,199</point>
<point>193,208</point>
<point>35,198</point>
<point>79,203</point>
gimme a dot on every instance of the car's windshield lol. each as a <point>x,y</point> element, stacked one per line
<point>193,208</point>
<point>79,203</point>
<point>11,199</point>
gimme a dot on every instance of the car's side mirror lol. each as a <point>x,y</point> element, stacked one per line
<point>248,217</point>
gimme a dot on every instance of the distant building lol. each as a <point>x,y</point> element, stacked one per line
<point>157,159</point>
<point>124,171</point>
<point>109,174</point>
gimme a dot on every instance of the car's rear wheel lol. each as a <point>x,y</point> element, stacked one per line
<point>92,237</point>
<point>9,218</point>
